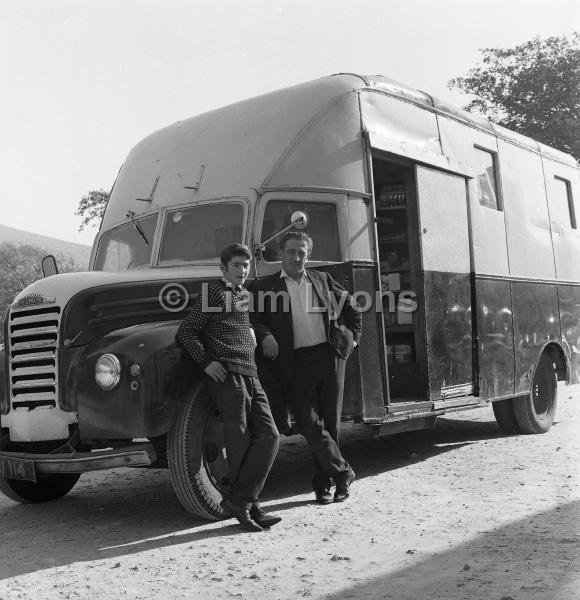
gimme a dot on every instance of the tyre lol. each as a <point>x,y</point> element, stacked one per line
<point>505,415</point>
<point>48,487</point>
<point>535,412</point>
<point>196,456</point>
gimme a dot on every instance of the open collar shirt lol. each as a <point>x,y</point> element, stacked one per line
<point>307,321</point>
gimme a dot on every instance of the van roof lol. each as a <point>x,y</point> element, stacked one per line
<point>404,92</point>
<point>237,149</point>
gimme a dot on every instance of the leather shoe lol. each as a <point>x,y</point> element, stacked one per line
<point>241,514</point>
<point>263,519</point>
<point>324,496</point>
<point>343,482</point>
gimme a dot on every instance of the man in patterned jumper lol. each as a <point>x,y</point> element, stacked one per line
<point>218,336</point>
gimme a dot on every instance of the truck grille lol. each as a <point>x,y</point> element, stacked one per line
<point>32,348</point>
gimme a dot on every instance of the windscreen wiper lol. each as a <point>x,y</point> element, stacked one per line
<point>137,227</point>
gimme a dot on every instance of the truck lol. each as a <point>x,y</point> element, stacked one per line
<point>461,233</point>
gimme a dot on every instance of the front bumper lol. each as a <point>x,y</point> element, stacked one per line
<point>26,466</point>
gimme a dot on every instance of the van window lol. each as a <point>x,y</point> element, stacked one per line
<point>200,232</point>
<point>485,170</point>
<point>322,228</point>
<point>125,248</point>
<point>561,203</point>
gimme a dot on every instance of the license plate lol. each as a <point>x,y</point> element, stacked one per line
<point>17,468</point>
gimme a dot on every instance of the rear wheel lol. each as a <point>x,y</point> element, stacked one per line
<point>48,487</point>
<point>505,415</point>
<point>196,456</point>
<point>535,412</point>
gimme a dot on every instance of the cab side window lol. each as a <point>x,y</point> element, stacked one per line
<point>127,246</point>
<point>561,203</point>
<point>485,165</point>
<point>322,228</point>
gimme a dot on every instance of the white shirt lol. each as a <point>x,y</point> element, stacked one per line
<point>307,321</point>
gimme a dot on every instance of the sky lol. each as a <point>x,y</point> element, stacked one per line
<point>82,81</point>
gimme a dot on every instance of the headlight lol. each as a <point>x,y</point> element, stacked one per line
<point>108,371</point>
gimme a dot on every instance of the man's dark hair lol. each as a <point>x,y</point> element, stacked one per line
<point>301,236</point>
<point>234,250</point>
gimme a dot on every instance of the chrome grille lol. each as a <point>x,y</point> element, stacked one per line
<point>33,343</point>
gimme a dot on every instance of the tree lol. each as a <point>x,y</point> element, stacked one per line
<point>92,207</point>
<point>533,89</point>
<point>20,265</point>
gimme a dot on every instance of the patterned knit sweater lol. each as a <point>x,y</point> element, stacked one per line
<point>218,329</point>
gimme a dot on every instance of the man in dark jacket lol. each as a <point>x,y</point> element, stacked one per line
<point>293,315</point>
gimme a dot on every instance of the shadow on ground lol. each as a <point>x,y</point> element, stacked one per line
<point>122,512</point>
<point>532,557</point>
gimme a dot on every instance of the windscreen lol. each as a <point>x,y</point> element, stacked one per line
<point>128,246</point>
<point>200,232</point>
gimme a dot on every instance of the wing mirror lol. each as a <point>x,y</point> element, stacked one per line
<point>49,266</point>
<point>298,220</point>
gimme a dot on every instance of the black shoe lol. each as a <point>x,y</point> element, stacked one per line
<point>343,482</point>
<point>324,496</point>
<point>262,519</point>
<point>241,514</point>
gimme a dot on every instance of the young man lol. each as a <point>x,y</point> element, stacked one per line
<point>218,336</point>
<point>304,363</point>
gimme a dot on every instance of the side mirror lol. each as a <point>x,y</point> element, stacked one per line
<point>298,220</point>
<point>49,266</point>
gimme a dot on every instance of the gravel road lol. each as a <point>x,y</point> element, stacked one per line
<point>461,512</point>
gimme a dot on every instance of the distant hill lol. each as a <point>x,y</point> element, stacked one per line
<point>79,252</point>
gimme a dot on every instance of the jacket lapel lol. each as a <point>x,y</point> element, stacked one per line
<point>279,285</point>
<point>323,294</point>
<point>319,288</point>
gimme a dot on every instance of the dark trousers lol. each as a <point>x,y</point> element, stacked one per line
<point>315,398</point>
<point>250,435</point>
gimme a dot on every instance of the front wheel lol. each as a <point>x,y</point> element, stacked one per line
<point>48,487</point>
<point>535,412</point>
<point>196,455</point>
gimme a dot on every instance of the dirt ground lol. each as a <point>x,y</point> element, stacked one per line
<point>462,512</point>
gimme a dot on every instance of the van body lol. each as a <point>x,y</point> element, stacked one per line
<point>458,237</point>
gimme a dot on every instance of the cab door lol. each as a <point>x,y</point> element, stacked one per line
<point>445,297</point>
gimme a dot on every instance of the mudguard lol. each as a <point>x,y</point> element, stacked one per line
<point>143,404</point>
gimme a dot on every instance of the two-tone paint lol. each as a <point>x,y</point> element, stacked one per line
<point>497,287</point>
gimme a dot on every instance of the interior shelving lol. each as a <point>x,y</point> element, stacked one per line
<point>398,273</point>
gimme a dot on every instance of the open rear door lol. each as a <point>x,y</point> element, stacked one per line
<point>445,298</point>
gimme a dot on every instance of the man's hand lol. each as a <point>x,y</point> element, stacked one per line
<point>216,371</point>
<point>270,347</point>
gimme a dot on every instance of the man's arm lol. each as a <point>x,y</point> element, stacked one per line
<point>350,312</point>
<point>188,334</point>
<point>263,334</point>
<point>257,312</point>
